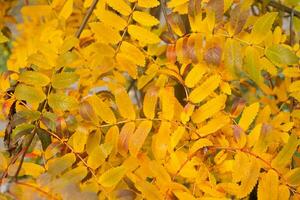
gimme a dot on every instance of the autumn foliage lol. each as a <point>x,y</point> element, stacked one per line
<point>148,99</point>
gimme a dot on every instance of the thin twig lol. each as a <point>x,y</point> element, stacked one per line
<point>24,152</point>
<point>164,11</point>
<point>86,18</point>
<point>282,7</point>
<point>292,27</point>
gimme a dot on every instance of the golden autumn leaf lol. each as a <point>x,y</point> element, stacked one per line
<point>262,26</point>
<point>112,176</point>
<point>209,109</point>
<point>60,101</point>
<point>286,153</point>
<point>148,3</point>
<point>67,10</point>
<point>58,165</point>
<point>293,177</point>
<point>120,6</point>
<point>124,104</point>
<point>64,80</point>
<point>142,34</point>
<point>125,134</point>
<point>144,18</point>
<point>137,139</point>
<point>133,53</point>
<point>34,78</point>
<point>205,89</point>
<point>102,109</point>
<point>111,19</point>
<point>195,75</point>
<point>150,101</point>
<point>29,93</point>
<point>3,38</point>
<point>105,33</point>
<point>200,144</point>
<point>161,140</point>
<point>268,186</point>
<point>98,155</point>
<point>213,125</point>
<point>248,116</point>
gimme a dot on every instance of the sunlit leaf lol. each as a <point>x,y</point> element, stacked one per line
<point>112,176</point>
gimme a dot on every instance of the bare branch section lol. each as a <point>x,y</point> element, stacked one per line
<point>282,7</point>
<point>86,18</point>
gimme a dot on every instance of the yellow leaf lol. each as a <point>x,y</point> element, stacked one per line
<point>168,103</point>
<point>148,3</point>
<point>149,191</point>
<point>209,109</point>
<point>249,180</point>
<point>112,138</point>
<point>176,137</point>
<point>233,57</point>
<point>292,72</point>
<point>205,89</point>
<point>144,18</point>
<point>79,139</point>
<point>262,26</point>
<point>283,158</point>
<point>111,19</point>
<point>133,53</point>
<point>199,144</point>
<point>29,94</point>
<point>283,193</point>
<point>98,155</point>
<point>87,3</point>
<point>102,109</point>
<point>124,104</point>
<point>161,140</point>
<point>3,38</point>
<point>184,195</point>
<point>143,35</point>
<point>60,101</point>
<point>67,10</point>
<point>58,165</point>
<point>120,6</point>
<point>149,104</point>
<point>126,64</point>
<point>68,44</point>
<point>64,79</point>
<point>175,3</point>
<point>295,86</point>
<point>126,132</point>
<point>268,186</point>
<point>36,11</point>
<point>112,176</point>
<point>34,78</point>
<point>213,125</point>
<point>220,157</point>
<point>248,116</point>
<point>138,138</point>
<point>93,141</point>
<point>32,169</point>
<point>39,60</point>
<point>253,136</point>
<point>105,33</point>
<point>195,75</point>
<point>187,112</point>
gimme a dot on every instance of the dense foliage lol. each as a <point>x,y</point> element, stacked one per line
<point>147,99</point>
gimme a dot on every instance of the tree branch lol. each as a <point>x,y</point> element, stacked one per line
<point>282,7</point>
<point>86,18</point>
